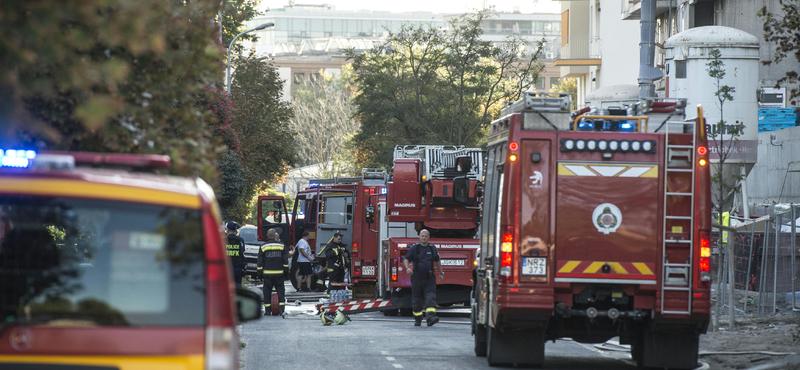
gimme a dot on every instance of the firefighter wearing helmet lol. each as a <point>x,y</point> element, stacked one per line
<point>273,263</point>
<point>421,261</point>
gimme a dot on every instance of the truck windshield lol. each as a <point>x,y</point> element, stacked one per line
<point>83,262</point>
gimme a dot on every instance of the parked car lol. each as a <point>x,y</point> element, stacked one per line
<point>251,246</point>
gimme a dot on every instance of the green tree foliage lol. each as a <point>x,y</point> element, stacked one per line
<point>324,121</point>
<point>264,142</point>
<point>121,76</point>
<point>234,14</point>
<point>569,86</point>
<point>723,136</point>
<point>432,86</point>
<point>783,32</point>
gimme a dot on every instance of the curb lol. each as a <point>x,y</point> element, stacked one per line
<point>788,362</point>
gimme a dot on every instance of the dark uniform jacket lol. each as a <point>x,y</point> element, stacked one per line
<point>273,258</point>
<point>422,256</point>
<point>337,256</point>
<point>235,249</point>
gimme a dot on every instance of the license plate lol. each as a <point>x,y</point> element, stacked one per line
<point>368,270</point>
<point>453,262</point>
<point>534,266</point>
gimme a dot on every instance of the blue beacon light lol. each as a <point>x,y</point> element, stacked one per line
<point>16,158</point>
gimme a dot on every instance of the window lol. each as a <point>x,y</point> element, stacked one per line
<point>299,78</point>
<point>554,81</point>
<point>494,183</point>
<point>336,210</point>
<point>100,263</point>
<point>540,83</point>
<point>680,69</point>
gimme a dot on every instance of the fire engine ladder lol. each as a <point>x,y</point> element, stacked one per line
<point>677,251</point>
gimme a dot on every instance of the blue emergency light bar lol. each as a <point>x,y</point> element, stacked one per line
<point>16,158</point>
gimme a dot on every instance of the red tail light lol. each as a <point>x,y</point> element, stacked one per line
<point>394,270</point>
<point>506,253</point>
<point>705,254</point>
<point>219,290</point>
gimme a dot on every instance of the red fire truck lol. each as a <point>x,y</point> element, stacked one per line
<point>593,228</point>
<point>437,188</point>
<point>345,205</point>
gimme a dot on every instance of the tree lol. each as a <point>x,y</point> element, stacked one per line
<point>118,76</point>
<point>567,86</point>
<point>234,14</point>
<point>264,145</point>
<point>432,86</point>
<point>783,32</point>
<point>324,122</point>
<point>723,136</point>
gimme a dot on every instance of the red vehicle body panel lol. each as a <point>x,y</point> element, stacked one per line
<point>457,273</point>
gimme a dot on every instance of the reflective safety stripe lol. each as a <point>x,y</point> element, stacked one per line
<point>430,310</point>
<point>417,313</point>
<point>271,247</point>
<point>286,266</point>
<point>329,270</point>
<point>267,305</point>
<point>282,304</point>
<point>272,272</point>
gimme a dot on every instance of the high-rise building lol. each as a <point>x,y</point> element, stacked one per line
<point>311,39</point>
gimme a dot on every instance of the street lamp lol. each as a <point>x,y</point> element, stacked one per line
<point>228,68</point>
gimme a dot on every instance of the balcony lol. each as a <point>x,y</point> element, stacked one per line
<point>632,9</point>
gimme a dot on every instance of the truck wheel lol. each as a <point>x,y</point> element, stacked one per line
<point>515,348</point>
<point>669,349</point>
<point>293,277</point>
<point>479,331</point>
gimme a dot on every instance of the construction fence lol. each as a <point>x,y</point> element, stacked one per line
<point>756,266</point>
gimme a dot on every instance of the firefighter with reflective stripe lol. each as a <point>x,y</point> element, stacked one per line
<point>235,249</point>
<point>422,261</point>
<point>273,263</point>
<point>337,260</point>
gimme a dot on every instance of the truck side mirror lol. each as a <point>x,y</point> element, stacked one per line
<point>369,214</point>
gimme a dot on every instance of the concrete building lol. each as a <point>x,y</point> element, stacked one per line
<point>776,176</point>
<point>675,16</point>
<point>597,48</point>
<point>309,39</point>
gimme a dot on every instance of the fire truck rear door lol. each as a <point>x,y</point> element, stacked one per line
<point>607,222</point>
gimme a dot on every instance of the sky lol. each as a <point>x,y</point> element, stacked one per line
<point>434,6</point>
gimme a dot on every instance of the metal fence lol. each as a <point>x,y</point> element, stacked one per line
<point>756,266</point>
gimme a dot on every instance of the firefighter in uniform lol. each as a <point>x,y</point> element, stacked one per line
<point>337,260</point>
<point>235,249</point>
<point>421,261</point>
<point>273,263</point>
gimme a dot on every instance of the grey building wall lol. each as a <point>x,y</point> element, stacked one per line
<point>741,14</point>
<point>776,150</point>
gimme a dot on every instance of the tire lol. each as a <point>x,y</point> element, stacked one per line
<point>636,352</point>
<point>480,340</point>
<point>669,349</point>
<point>479,333</point>
<point>293,277</point>
<point>514,348</point>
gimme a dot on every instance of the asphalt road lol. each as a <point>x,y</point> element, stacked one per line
<point>372,341</point>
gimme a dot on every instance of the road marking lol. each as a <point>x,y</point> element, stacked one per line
<point>397,366</point>
<point>390,358</point>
